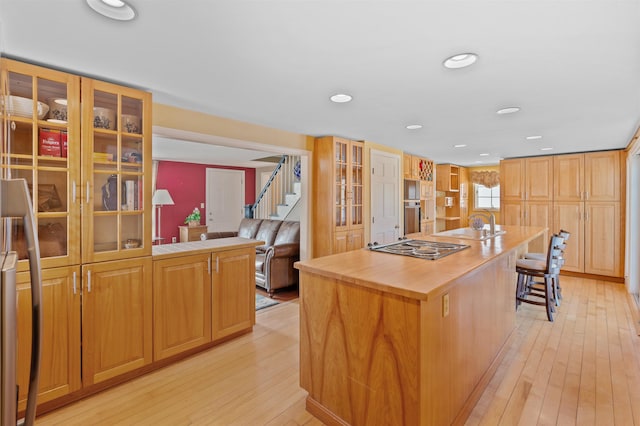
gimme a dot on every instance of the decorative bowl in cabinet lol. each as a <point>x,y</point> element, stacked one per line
<point>104,118</point>
<point>132,243</point>
<point>57,110</point>
<point>23,107</point>
<point>130,123</point>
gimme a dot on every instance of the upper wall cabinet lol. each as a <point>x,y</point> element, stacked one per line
<point>447,178</point>
<point>84,147</point>
<point>116,161</point>
<point>594,176</point>
<point>41,136</point>
<point>529,179</point>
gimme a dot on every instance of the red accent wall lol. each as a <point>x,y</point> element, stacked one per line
<point>186,182</point>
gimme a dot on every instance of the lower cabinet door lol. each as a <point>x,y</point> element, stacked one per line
<point>181,304</point>
<point>116,318</point>
<point>60,357</point>
<point>234,289</point>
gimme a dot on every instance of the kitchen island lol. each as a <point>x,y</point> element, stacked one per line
<point>389,339</point>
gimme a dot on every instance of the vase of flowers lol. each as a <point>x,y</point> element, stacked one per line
<point>194,218</point>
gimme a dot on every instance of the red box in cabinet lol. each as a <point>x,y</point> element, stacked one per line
<point>63,143</point>
<point>50,142</point>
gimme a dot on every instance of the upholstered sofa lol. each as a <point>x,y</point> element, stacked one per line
<point>274,259</point>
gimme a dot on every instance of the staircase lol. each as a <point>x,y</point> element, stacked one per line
<point>281,193</point>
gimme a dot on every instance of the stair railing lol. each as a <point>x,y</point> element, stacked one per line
<point>275,189</point>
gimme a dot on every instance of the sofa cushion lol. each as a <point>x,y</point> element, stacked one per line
<point>268,231</point>
<point>249,228</point>
<point>289,232</point>
<point>260,263</point>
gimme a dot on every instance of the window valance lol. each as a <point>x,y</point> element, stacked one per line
<point>487,178</point>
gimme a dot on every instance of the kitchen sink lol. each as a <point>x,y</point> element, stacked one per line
<point>471,234</point>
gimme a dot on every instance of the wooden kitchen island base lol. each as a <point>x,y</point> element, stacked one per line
<point>387,339</point>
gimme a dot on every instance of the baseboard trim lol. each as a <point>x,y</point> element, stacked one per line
<point>634,307</point>
<point>593,276</point>
<point>323,414</point>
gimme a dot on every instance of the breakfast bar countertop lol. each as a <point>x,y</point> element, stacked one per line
<point>166,251</point>
<point>417,278</point>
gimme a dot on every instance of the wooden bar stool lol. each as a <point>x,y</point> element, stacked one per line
<point>548,271</point>
<point>542,257</point>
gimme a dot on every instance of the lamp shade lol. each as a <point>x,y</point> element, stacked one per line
<point>162,198</point>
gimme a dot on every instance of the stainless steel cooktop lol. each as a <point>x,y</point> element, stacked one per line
<point>422,249</point>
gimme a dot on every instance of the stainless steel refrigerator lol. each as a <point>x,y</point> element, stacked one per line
<point>15,204</point>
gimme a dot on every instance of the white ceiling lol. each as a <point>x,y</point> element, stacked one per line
<point>572,66</point>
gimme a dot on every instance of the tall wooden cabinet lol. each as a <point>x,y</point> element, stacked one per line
<point>423,170</point>
<point>338,195</point>
<point>580,193</point>
<point>84,148</point>
<point>526,192</point>
<point>587,203</point>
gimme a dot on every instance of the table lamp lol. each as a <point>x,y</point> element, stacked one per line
<point>161,198</point>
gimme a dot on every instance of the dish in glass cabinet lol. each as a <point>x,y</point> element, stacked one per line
<point>130,123</point>
<point>104,118</point>
<point>132,243</point>
<point>57,110</point>
<point>23,107</point>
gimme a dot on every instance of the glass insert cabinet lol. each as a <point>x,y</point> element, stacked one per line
<point>84,148</point>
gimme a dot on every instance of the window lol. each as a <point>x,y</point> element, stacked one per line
<point>486,198</point>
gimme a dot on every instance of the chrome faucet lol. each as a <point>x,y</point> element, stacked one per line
<point>491,218</point>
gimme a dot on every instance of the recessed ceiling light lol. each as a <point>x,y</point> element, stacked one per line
<point>484,154</point>
<point>533,138</point>
<point>508,110</point>
<point>414,126</point>
<point>460,61</point>
<point>459,145</point>
<point>546,149</point>
<point>114,9</point>
<point>478,161</point>
<point>341,98</point>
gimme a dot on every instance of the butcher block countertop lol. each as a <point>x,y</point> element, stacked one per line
<point>166,251</point>
<point>412,277</point>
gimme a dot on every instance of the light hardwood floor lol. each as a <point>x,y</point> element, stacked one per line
<point>583,369</point>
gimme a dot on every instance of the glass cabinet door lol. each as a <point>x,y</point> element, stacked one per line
<point>356,183</point>
<point>341,184</point>
<point>116,159</point>
<point>41,143</point>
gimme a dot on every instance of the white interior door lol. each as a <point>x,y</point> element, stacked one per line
<point>385,197</point>
<point>225,199</point>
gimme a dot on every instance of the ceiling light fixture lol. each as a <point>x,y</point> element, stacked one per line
<point>460,61</point>
<point>459,145</point>
<point>533,138</point>
<point>414,126</point>
<point>341,98</point>
<point>114,9</point>
<point>484,154</point>
<point>546,149</point>
<point>508,110</point>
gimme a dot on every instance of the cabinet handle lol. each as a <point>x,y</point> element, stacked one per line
<point>586,195</point>
<point>89,281</point>
<point>88,193</point>
<point>73,193</point>
<point>209,265</point>
<point>586,216</point>
<point>74,283</point>
<point>217,263</point>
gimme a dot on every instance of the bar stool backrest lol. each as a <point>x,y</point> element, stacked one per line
<point>554,255</point>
